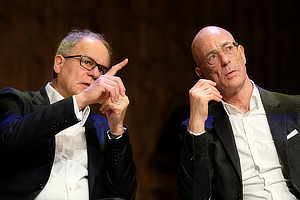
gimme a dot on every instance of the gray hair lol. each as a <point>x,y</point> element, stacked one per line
<point>73,37</point>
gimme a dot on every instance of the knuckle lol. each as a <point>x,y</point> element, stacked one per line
<point>192,93</point>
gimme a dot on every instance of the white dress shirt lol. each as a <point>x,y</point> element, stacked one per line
<point>262,174</point>
<point>68,178</point>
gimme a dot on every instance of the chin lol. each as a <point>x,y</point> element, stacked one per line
<point>81,88</point>
<point>77,91</point>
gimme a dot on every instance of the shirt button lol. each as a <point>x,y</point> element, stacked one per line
<point>71,165</point>
<point>70,188</point>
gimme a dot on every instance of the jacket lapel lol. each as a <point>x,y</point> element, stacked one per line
<point>40,99</point>
<point>224,131</point>
<point>92,151</point>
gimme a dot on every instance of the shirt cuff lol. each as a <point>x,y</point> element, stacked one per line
<point>81,115</point>
<point>116,137</point>
<point>196,134</point>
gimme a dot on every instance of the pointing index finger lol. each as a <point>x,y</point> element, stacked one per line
<point>114,69</point>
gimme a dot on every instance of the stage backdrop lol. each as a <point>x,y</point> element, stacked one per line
<point>155,35</point>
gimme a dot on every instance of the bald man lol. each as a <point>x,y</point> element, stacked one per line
<point>240,141</point>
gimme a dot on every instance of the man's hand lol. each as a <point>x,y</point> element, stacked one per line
<point>200,95</point>
<point>109,91</point>
<point>115,113</point>
<point>104,87</point>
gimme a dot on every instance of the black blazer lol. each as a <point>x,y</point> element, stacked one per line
<point>209,164</point>
<point>28,126</point>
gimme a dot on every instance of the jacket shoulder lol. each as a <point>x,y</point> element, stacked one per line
<point>285,98</point>
<point>11,92</point>
<point>275,99</point>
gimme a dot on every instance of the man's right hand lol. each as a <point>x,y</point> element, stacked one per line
<point>104,87</point>
<point>200,95</point>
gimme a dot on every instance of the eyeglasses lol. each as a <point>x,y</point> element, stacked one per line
<point>89,64</point>
<point>213,57</point>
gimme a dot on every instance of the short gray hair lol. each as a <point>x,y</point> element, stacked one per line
<point>73,37</point>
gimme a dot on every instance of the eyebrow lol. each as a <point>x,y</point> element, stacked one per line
<point>212,51</point>
<point>107,67</point>
<point>226,43</point>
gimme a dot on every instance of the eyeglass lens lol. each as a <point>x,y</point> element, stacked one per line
<point>229,49</point>
<point>90,64</point>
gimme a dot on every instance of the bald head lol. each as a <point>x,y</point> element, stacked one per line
<point>204,40</point>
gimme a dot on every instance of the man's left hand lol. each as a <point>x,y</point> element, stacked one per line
<point>115,113</point>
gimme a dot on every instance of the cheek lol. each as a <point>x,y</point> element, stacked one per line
<point>241,62</point>
<point>243,68</point>
<point>73,75</point>
<point>213,75</point>
<point>70,79</point>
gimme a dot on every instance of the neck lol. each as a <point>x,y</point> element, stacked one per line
<point>240,98</point>
<point>55,85</point>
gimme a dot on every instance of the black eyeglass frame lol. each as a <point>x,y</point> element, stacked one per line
<point>100,67</point>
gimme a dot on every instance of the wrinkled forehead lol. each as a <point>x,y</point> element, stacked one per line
<point>92,48</point>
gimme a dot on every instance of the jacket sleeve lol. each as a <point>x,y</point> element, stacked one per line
<point>121,170</point>
<point>193,172</point>
<point>22,122</point>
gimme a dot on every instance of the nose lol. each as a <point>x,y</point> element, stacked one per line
<point>224,59</point>
<point>94,73</point>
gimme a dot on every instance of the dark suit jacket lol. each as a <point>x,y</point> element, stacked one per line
<point>210,164</point>
<point>28,126</point>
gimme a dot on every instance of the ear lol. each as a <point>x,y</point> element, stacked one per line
<point>58,63</point>
<point>199,72</point>
<point>243,53</point>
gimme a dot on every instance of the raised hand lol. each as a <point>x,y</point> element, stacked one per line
<point>109,91</point>
<point>104,87</point>
<point>200,95</point>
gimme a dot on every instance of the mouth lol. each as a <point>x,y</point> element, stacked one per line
<point>232,72</point>
<point>86,84</point>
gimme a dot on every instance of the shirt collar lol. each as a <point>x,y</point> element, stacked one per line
<point>255,102</point>
<point>53,95</point>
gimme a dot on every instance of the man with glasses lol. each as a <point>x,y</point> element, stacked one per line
<point>240,141</point>
<point>52,146</point>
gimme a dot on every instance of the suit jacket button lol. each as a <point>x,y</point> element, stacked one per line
<point>115,161</point>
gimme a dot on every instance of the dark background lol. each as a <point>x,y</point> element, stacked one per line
<point>156,36</point>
